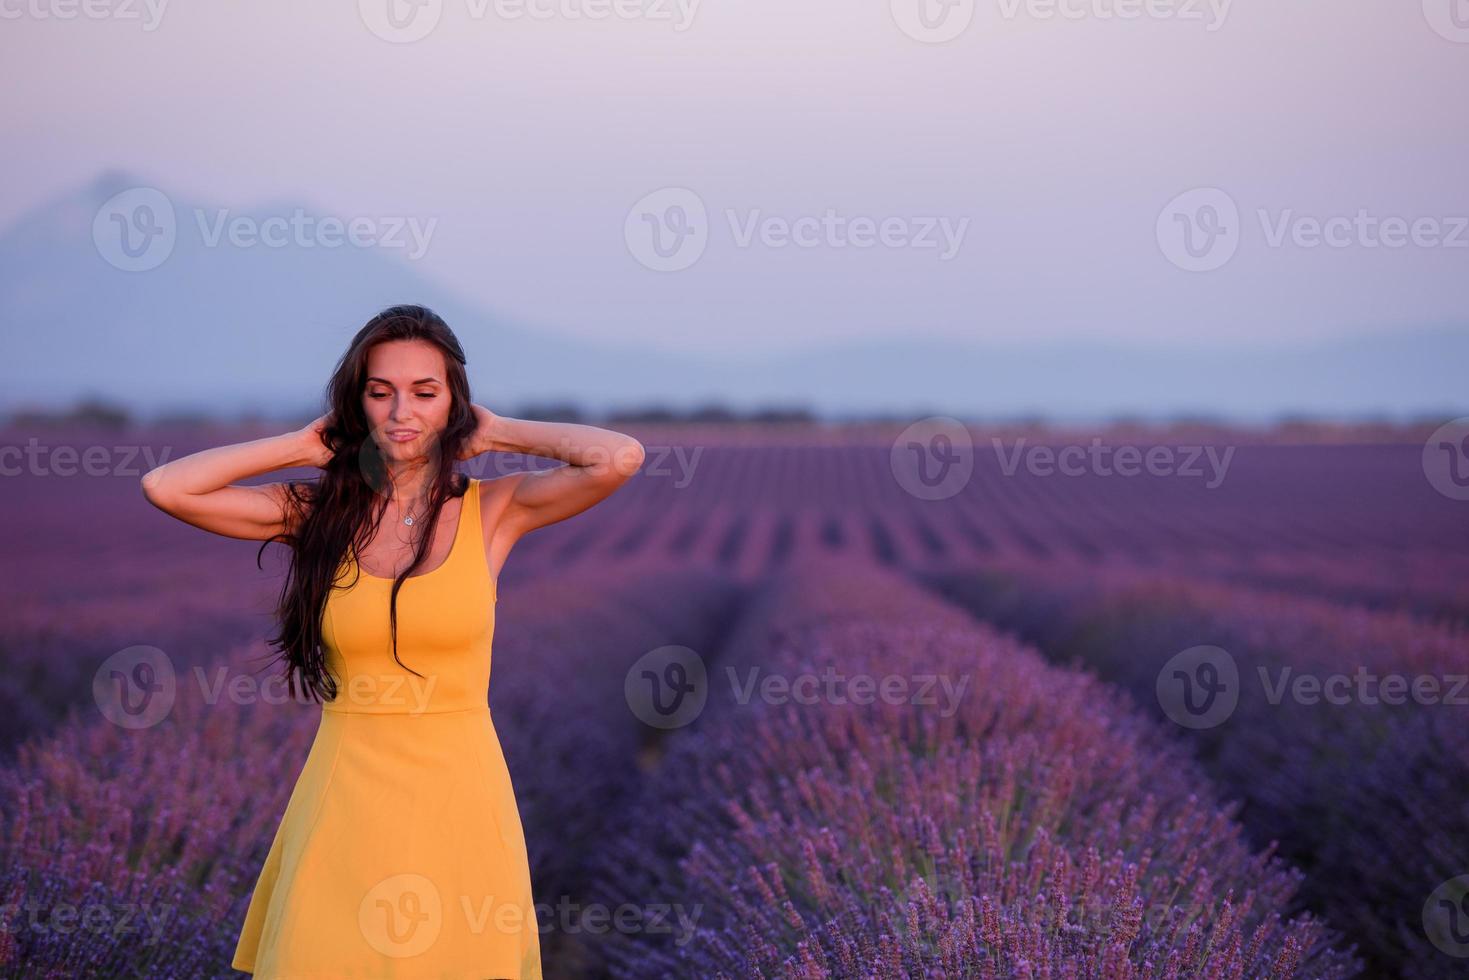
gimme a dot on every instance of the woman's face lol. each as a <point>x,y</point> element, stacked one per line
<point>406,399</point>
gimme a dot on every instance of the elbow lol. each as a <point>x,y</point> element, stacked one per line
<point>152,485</point>
<point>629,459</point>
<point>615,462</point>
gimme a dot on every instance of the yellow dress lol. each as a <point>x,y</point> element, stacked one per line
<point>401,852</point>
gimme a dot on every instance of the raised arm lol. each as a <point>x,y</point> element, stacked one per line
<point>198,489</point>
<point>598,461</point>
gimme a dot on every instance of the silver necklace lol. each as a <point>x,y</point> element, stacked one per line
<point>408,520</point>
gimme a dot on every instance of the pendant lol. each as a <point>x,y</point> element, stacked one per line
<point>408,521</point>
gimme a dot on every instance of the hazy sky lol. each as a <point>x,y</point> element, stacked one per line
<point>1016,180</point>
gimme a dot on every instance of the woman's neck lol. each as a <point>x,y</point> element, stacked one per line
<point>407,483</point>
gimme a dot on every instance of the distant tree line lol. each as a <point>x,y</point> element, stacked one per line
<point>99,412</point>
<point>94,412</point>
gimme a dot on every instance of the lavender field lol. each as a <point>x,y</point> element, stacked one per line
<point>1205,720</point>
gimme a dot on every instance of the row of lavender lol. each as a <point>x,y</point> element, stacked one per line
<point>192,603</point>
<point>1022,821</point>
<point>1363,522</point>
<point>89,556</point>
<point>1345,731</point>
<point>93,569</point>
<point>131,852</point>
<point>51,637</point>
<point>975,813</point>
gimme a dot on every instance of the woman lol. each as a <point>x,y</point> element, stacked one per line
<point>401,851</point>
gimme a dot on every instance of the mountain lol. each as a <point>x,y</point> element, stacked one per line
<point>225,329</point>
<point>1403,374</point>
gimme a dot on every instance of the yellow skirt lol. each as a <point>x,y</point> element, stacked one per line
<point>400,854</point>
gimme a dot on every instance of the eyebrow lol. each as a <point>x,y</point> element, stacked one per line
<point>420,381</point>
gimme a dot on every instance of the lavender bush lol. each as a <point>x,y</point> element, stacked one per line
<point>177,817</point>
<point>1372,799</point>
<point>1039,829</point>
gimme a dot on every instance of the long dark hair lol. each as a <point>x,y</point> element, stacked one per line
<point>345,505</point>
